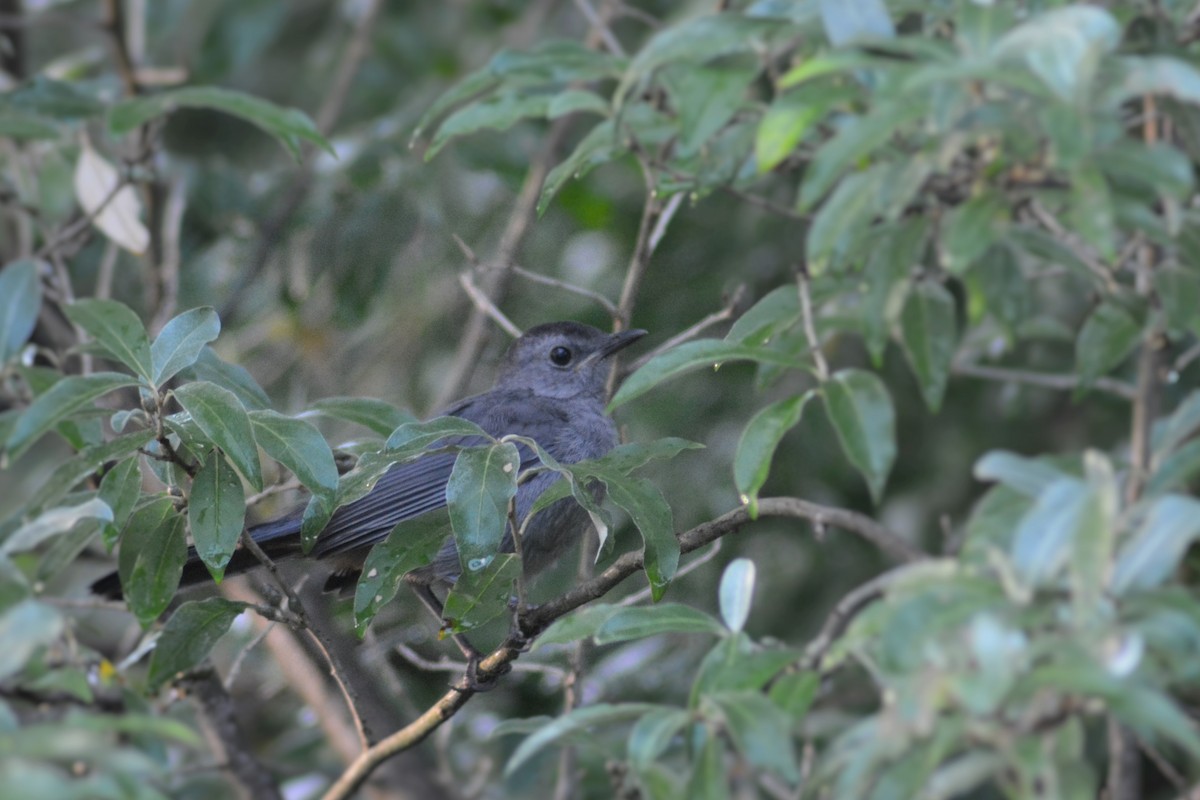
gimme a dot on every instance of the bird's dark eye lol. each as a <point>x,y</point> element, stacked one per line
<point>560,356</point>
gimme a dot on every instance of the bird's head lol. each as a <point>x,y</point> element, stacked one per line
<point>562,359</point>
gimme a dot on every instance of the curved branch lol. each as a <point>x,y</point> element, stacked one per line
<point>532,621</point>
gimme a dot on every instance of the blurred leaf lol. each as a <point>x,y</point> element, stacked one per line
<point>929,333</point>
<point>150,563</point>
<point>789,117</point>
<point>1152,555</point>
<point>760,439</point>
<point>968,230</point>
<point>52,523</point>
<point>997,278</point>
<point>498,112</point>
<point>20,299</point>
<point>795,692</point>
<point>848,21</point>
<point>301,448</point>
<point>181,341</point>
<point>855,140</point>
<point>860,409</point>
<point>600,146</point>
<point>993,523</point>
<point>1179,292</point>
<point>774,312</point>
<point>1043,541</point>
<point>844,218</point>
<point>58,100</point>
<point>1175,471</point>
<point>579,624</point>
<point>760,730</point>
<point>1156,74</point>
<point>413,437</point>
<point>821,64</point>
<point>1090,211</point>
<point>1108,335</point>
<point>708,780</point>
<point>653,733</point>
<point>289,125</point>
<point>376,415</point>
<point>113,208</point>
<point>1028,476</point>
<point>85,463</point>
<point>689,356</point>
<point>482,483</point>
<point>573,101</point>
<point>1062,47</point>
<point>57,403</point>
<point>652,516</point>
<point>16,125</point>
<point>235,378</point>
<point>639,622</point>
<point>1178,427</point>
<point>706,98</point>
<point>737,593</point>
<point>1156,166</point>
<point>25,628</point>
<point>224,421</point>
<point>901,247</point>
<point>411,543</point>
<point>120,488</point>
<point>481,595</point>
<point>574,721</point>
<point>216,513</point>
<point>734,664</point>
<point>117,329</point>
<point>188,637</point>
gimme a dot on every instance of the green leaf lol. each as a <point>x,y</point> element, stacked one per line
<point>20,300</point>
<point>783,127</point>
<point>289,125</point>
<point>15,125</point>
<point>224,421</point>
<point>640,622</point>
<point>58,100</point>
<point>59,402</point>
<point>708,780</point>
<point>573,101</point>
<point>760,731</point>
<point>120,488</point>
<point>411,543</point>
<point>52,523</point>
<point>600,146</point>
<point>481,484</point>
<point>376,415</point>
<point>689,356</point>
<point>1179,292</point>
<point>481,595</point>
<point>153,551</point>
<point>1107,337</point>
<point>413,437</point>
<point>996,279</point>
<point>209,367</point>
<point>652,516</point>
<point>1178,427</point>
<point>579,624</point>
<point>1090,212</point>
<point>574,721</point>
<point>1063,47</point>
<point>821,64</point>
<point>188,637</point>
<point>737,593</point>
<point>775,312</point>
<point>706,98</point>
<point>795,692</point>
<point>498,112</point>
<point>760,439</point>
<point>929,333</point>
<point>900,248</point>
<point>968,230</point>
<point>181,341</point>
<point>84,464</point>
<point>1154,552</point>
<point>117,329</point>
<point>860,408</point>
<point>25,628</point>
<point>844,218</point>
<point>849,21</point>
<point>653,733</point>
<point>1029,476</point>
<point>735,664</point>
<point>1176,470</point>
<point>216,513</point>
<point>1155,74</point>
<point>1043,541</point>
<point>301,448</point>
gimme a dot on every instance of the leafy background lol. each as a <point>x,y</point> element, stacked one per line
<point>944,254</point>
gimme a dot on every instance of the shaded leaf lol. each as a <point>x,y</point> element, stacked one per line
<point>929,332</point>
<point>574,721</point>
<point>153,551</point>
<point>120,488</point>
<point>216,513</point>
<point>376,415</point>
<point>1029,476</point>
<point>1108,335</point>
<point>706,98</point>
<point>1045,536</point>
<point>498,112</point>
<point>579,624</point>
<point>639,622</point>
<point>117,329</point>
<point>188,637</point>
<point>234,377</point>
<point>860,408</point>
<point>1090,211</point>
<point>25,628</point>
<point>20,300</point>
<point>181,341</point>
<point>849,21</point>
<point>482,483</point>
<point>1062,46</point>
<point>481,595</point>
<point>224,421</point>
<point>412,543</point>
<point>968,230</point>
<point>301,448</point>
<point>760,731</point>
<point>652,516</point>
<point>58,402</point>
<point>855,139</point>
<point>652,734</point>
<point>52,523</point>
<point>758,443</point>
<point>413,437</point>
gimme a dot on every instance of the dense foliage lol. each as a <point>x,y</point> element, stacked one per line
<point>944,256</point>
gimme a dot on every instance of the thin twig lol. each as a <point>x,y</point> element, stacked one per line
<point>485,305</point>
<point>1049,381</point>
<point>644,594</point>
<point>810,328</point>
<point>600,27</point>
<point>715,318</point>
<point>169,263</point>
<point>447,664</point>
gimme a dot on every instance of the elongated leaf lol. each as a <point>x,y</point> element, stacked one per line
<point>216,513</point>
<point>52,523</point>
<point>298,446</point>
<point>708,780</point>
<point>970,229</point>
<point>1176,470</point>
<point>1091,210</point>
<point>289,125</point>
<point>1154,74</point>
<point>1028,476</point>
<point>776,311</point>
<point>378,416</point>
<point>783,127</point>
<point>653,733</point>
<point>20,299</point>
<point>652,516</point>
<point>120,488</point>
<point>412,543</point>
<point>209,367</point>
<point>181,341</point>
<point>843,219</point>
<point>117,329</point>
<point>707,98</point>
<point>734,664</point>
<point>690,356</point>
<point>58,402</point>
<point>1106,338</point>
<point>224,421</point>
<point>413,437</point>
<point>1062,46</point>
<point>572,722</point>
<point>579,624</point>
<point>481,484</point>
<point>498,112</point>
<point>929,333</point>
<point>113,208</point>
<point>756,448</point>
<point>480,596</point>
<point>85,463</point>
<point>599,147</point>
<point>153,550</point>
<point>1183,422</point>
<point>638,622</point>
<point>1154,553</point>
<point>25,628</point>
<point>1043,541</point>
<point>188,637</point>
<point>860,408</point>
<point>760,730</point>
<point>795,693</point>
<point>737,593</point>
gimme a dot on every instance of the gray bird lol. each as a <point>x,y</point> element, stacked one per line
<point>551,388</point>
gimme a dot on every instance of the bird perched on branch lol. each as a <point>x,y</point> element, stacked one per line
<point>551,388</point>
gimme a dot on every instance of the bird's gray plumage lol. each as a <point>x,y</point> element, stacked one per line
<point>551,387</point>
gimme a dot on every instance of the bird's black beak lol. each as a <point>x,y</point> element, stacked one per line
<point>619,341</point>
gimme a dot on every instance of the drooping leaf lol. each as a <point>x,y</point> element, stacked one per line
<point>223,419</point>
<point>113,208</point>
<point>289,125</point>
<point>181,341</point>
<point>737,593</point>
<point>1108,335</point>
<point>189,636</point>
<point>53,522</point>
<point>1154,552</point>
<point>20,299</point>
<point>416,436</point>
<point>216,513</point>
<point>759,441</point>
<point>639,622</point>
<point>482,483</point>
<point>860,408</point>
<point>572,722</point>
<point>412,543</point>
<point>376,415</point>
<point>498,112</point>
<point>234,377</point>
<point>58,402</point>
<point>929,332</point>
<point>707,97</point>
<point>579,624</point>
<point>116,328</point>
<point>120,488</point>
<point>153,551</point>
<point>481,595</point>
<point>652,516</point>
<point>301,448</point>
